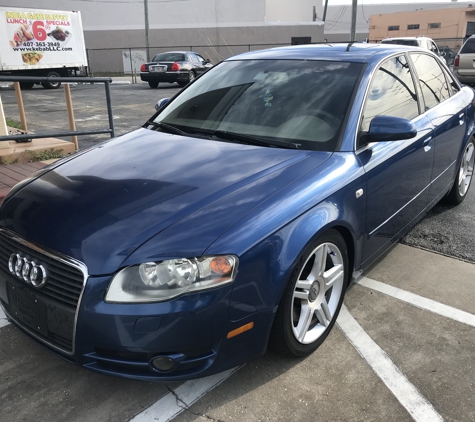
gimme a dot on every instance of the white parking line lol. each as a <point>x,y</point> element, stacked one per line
<point>418,301</point>
<point>3,318</point>
<point>406,393</point>
<point>173,403</point>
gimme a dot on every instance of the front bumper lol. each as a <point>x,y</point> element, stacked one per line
<point>124,339</point>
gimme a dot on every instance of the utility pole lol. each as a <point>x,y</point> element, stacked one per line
<point>325,11</point>
<point>147,42</point>
<point>353,19</point>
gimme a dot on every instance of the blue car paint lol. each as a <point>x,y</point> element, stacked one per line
<point>111,200</point>
<point>263,205</point>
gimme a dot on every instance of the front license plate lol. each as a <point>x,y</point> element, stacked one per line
<point>158,69</point>
<point>27,309</point>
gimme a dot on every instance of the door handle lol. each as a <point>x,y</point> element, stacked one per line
<point>428,144</point>
<point>461,117</point>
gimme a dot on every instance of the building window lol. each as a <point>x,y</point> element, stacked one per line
<point>413,26</point>
<point>434,25</point>
<point>393,28</point>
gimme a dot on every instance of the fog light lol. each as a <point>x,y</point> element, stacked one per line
<point>163,364</point>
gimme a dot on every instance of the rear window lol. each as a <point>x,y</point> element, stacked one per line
<point>401,42</point>
<point>468,47</point>
<point>169,57</point>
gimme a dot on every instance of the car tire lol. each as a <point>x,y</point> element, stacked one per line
<point>26,85</point>
<point>464,175</point>
<point>51,85</point>
<point>153,84</point>
<point>312,300</point>
<point>191,78</point>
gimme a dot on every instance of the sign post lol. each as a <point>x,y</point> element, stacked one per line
<point>3,123</point>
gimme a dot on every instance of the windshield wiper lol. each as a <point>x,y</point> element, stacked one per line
<point>168,128</point>
<point>223,134</point>
<point>253,140</point>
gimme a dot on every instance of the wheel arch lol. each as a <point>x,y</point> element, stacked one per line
<point>351,248</point>
<point>288,253</point>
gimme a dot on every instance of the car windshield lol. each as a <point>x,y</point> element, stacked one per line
<point>302,103</point>
<point>400,42</point>
<point>169,57</point>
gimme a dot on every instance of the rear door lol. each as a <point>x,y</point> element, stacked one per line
<point>445,109</point>
<point>198,66</point>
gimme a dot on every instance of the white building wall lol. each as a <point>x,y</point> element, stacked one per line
<point>292,11</point>
<point>127,15</point>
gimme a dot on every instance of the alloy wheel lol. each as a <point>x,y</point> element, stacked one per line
<point>466,169</point>
<point>317,293</point>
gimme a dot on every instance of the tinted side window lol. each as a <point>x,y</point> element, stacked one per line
<point>194,59</point>
<point>468,47</point>
<point>392,92</point>
<point>432,79</point>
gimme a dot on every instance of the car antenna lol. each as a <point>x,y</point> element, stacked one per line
<point>349,45</point>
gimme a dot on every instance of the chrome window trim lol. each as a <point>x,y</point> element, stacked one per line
<point>64,259</point>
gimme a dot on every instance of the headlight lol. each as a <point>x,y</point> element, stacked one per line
<point>159,281</point>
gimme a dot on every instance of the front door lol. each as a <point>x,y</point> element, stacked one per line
<point>398,172</point>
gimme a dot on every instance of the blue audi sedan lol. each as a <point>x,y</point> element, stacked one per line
<point>237,216</point>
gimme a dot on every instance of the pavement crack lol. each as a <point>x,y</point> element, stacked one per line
<point>180,403</point>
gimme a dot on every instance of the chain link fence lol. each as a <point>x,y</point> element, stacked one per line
<point>127,61</point>
<point>449,47</point>
<point>117,61</point>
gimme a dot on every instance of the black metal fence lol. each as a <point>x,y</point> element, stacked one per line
<point>37,80</point>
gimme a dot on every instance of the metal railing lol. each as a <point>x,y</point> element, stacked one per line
<point>37,80</point>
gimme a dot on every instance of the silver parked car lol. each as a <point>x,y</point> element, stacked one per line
<point>464,62</point>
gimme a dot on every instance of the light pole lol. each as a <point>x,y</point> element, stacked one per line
<point>353,20</point>
<point>147,42</point>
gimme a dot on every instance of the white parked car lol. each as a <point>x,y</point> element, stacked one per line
<point>422,42</point>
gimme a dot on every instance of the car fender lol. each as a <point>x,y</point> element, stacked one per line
<point>266,266</point>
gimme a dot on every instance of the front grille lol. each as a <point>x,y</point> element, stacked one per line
<point>64,282</point>
<point>60,294</point>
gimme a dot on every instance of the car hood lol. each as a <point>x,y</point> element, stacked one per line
<point>102,205</point>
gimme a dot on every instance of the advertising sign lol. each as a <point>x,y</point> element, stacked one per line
<point>40,38</point>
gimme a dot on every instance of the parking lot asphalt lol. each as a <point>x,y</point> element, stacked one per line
<point>402,349</point>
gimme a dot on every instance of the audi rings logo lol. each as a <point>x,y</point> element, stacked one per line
<point>27,270</point>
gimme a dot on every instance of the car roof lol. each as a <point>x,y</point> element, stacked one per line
<point>354,52</point>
